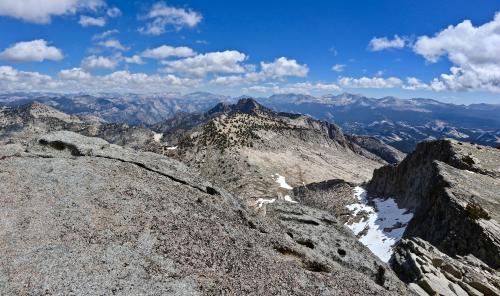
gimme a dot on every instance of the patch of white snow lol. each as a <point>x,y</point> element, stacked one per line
<point>157,137</point>
<point>281,180</point>
<point>262,201</point>
<point>172,148</point>
<point>289,199</point>
<point>381,225</point>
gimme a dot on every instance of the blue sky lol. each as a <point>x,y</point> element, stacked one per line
<point>402,48</point>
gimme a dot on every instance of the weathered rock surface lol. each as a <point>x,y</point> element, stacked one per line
<point>453,189</point>
<point>433,272</point>
<point>321,232</point>
<point>81,216</point>
<point>331,195</point>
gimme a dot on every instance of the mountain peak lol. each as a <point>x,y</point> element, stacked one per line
<point>248,104</point>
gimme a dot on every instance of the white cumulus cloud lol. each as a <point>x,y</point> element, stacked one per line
<point>77,79</point>
<point>113,43</point>
<point>31,51</point>
<point>228,61</point>
<point>378,44</point>
<point>474,52</point>
<point>282,67</point>
<point>370,82</point>
<point>87,21</point>
<point>166,51</point>
<point>74,74</point>
<point>278,69</point>
<point>13,80</point>
<point>99,62</point>
<point>161,16</point>
<point>135,59</point>
<point>41,11</point>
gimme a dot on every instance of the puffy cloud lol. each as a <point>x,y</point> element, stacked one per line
<point>41,11</point>
<point>378,44</point>
<point>228,61</point>
<point>282,67</point>
<point>163,16</point>
<point>96,62</point>
<point>27,51</point>
<point>166,51</point>
<point>473,51</point>
<point>74,74</point>
<point>413,83</point>
<point>228,80</point>
<point>113,43</point>
<point>114,12</point>
<point>77,79</point>
<point>125,80</point>
<point>86,21</point>
<point>135,59</point>
<point>11,80</point>
<point>373,82</point>
<point>338,67</point>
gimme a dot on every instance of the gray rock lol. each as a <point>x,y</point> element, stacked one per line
<point>452,188</point>
<point>450,275</point>
<point>80,216</point>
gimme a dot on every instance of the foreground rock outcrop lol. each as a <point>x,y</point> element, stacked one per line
<point>432,272</point>
<point>81,216</point>
<point>453,189</point>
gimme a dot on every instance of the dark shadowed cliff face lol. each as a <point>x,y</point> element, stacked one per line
<point>82,216</point>
<point>453,189</point>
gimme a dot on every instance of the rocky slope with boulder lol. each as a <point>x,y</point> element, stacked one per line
<point>82,216</point>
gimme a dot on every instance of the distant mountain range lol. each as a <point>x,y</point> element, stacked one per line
<point>399,122</point>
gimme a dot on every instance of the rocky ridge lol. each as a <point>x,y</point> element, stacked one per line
<point>245,147</point>
<point>452,188</point>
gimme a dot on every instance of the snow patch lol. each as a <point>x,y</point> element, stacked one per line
<point>157,137</point>
<point>379,226</point>
<point>172,148</point>
<point>262,201</point>
<point>289,199</point>
<point>281,180</point>
<point>283,184</point>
